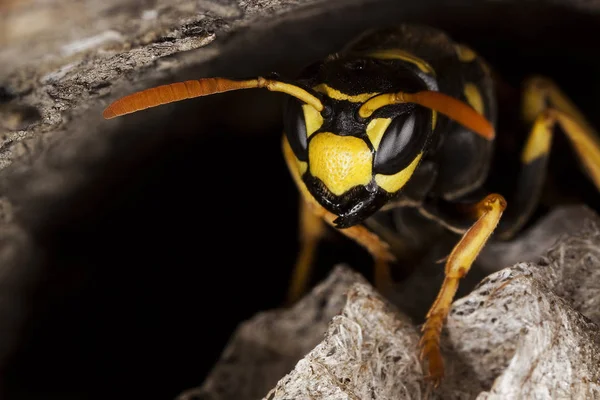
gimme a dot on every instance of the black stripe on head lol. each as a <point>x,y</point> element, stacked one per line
<point>357,75</point>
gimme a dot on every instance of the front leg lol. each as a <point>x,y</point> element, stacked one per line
<point>312,230</point>
<point>544,107</point>
<point>488,213</point>
<point>379,249</point>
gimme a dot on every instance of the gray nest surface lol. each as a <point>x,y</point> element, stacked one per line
<point>529,331</point>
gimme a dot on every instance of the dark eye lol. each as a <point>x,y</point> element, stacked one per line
<point>295,127</point>
<point>402,141</point>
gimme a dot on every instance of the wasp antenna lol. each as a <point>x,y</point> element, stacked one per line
<point>454,109</point>
<point>442,103</point>
<point>201,87</point>
<point>164,94</point>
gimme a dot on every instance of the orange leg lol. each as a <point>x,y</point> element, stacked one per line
<point>379,250</point>
<point>488,213</point>
<point>312,230</point>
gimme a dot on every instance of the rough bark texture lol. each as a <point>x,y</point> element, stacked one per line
<point>266,347</point>
<point>528,331</point>
<point>533,330</point>
<point>368,352</point>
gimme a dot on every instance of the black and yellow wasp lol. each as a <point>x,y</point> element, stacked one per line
<point>403,121</point>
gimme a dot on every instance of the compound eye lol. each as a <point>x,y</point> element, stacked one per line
<point>402,141</point>
<point>294,125</point>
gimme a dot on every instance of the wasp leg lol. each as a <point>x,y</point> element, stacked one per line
<point>312,230</point>
<point>379,250</point>
<point>488,212</point>
<point>544,106</point>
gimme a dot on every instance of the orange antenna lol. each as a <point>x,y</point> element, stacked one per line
<point>201,87</point>
<point>444,104</point>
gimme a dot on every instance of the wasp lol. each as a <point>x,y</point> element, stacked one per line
<point>399,123</point>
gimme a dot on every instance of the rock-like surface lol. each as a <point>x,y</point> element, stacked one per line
<point>527,331</point>
<point>534,242</point>
<point>266,347</point>
<point>368,352</point>
<point>533,330</point>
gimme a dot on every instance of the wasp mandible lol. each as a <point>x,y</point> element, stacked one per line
<point>403,120</point>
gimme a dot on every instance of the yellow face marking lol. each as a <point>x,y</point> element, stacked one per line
<point>302,167</point>
<point>337,95</point>
<point>376,129</point>
<point>474,98</point>
<point>341,162</point>
<point>397,54</point>
<point>393,183</point>
<point>538,142</point>
<point>313,119</point>
<point>465,53</point>
<point>294,166</point>
<point>433,119</point>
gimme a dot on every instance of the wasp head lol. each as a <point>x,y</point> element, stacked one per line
<point>351,164</point>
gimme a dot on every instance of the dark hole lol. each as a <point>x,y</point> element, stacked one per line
<point>5,95</point>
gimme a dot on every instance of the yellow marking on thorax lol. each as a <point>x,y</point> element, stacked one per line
<point>337,95</point>
<point>465,53</point>
<point>341,162</point>
<point>376,129</point>
<point>397,54</point>
<point>474,98</point>
<point>393,183</point>
<point>313,119</point>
